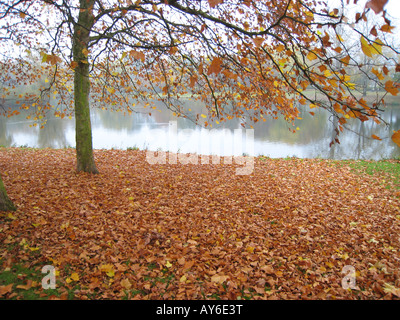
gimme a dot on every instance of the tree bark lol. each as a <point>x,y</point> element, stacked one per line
<point>83,127</point>
<point>5,202</point>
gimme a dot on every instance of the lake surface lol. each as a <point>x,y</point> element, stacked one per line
<point>162,131</point>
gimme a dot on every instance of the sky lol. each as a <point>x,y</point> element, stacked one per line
<point>392,7</point>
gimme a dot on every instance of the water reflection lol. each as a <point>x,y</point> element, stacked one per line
<point>271,138</point>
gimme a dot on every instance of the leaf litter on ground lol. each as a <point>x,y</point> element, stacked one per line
<point>184,231</point>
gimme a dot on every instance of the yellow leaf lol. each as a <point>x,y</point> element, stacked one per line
<point>327,73</point>
<point>107,268</point>
<point>377,45</point>
<point>110,273</point>
<point>322,269</point>
<point>111,90</point>
<point>250,249</point>
<point>168,264</point>
<point>350,85</point>
<point>75,276</point>
<point>371,49</point>
<point>183,279</point>
<point>378,74</point>
<point>10,216</point>
<point>203,116</point>
<point>365,47</point>
<point>311,56</point>
<point>279,273</point>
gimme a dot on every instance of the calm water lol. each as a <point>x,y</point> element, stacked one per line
<point>163,131</point>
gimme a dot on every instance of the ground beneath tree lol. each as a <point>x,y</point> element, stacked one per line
<point>144,231</point>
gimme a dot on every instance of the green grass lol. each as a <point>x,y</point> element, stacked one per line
<point>23,278</point>
<point>25,282</point>
<point>387,171</point>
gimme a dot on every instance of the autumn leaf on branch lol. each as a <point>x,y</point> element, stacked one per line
<point>376,5</point>
<point>258,41</point>
<point>215,66</point>
<point>396,137</point>
<point>375,137</point>
<point>50,58</point>
<point>214,3</point>
<point>391,88</point>
<point>371,49</point>
<point>137,55</point>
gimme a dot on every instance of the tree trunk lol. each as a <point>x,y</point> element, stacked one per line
<point>83,128</point>
<point>5,202</point>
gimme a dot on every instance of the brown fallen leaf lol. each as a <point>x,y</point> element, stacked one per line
<point>289,228</point>
<point>6,289</point>
<point>219,278</point>
<point>26,286</point>
<point>125,283</point>
<point>268,269</point>
<point>188,265</point>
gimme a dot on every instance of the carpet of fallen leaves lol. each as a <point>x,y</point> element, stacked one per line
<point>199,231</point>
